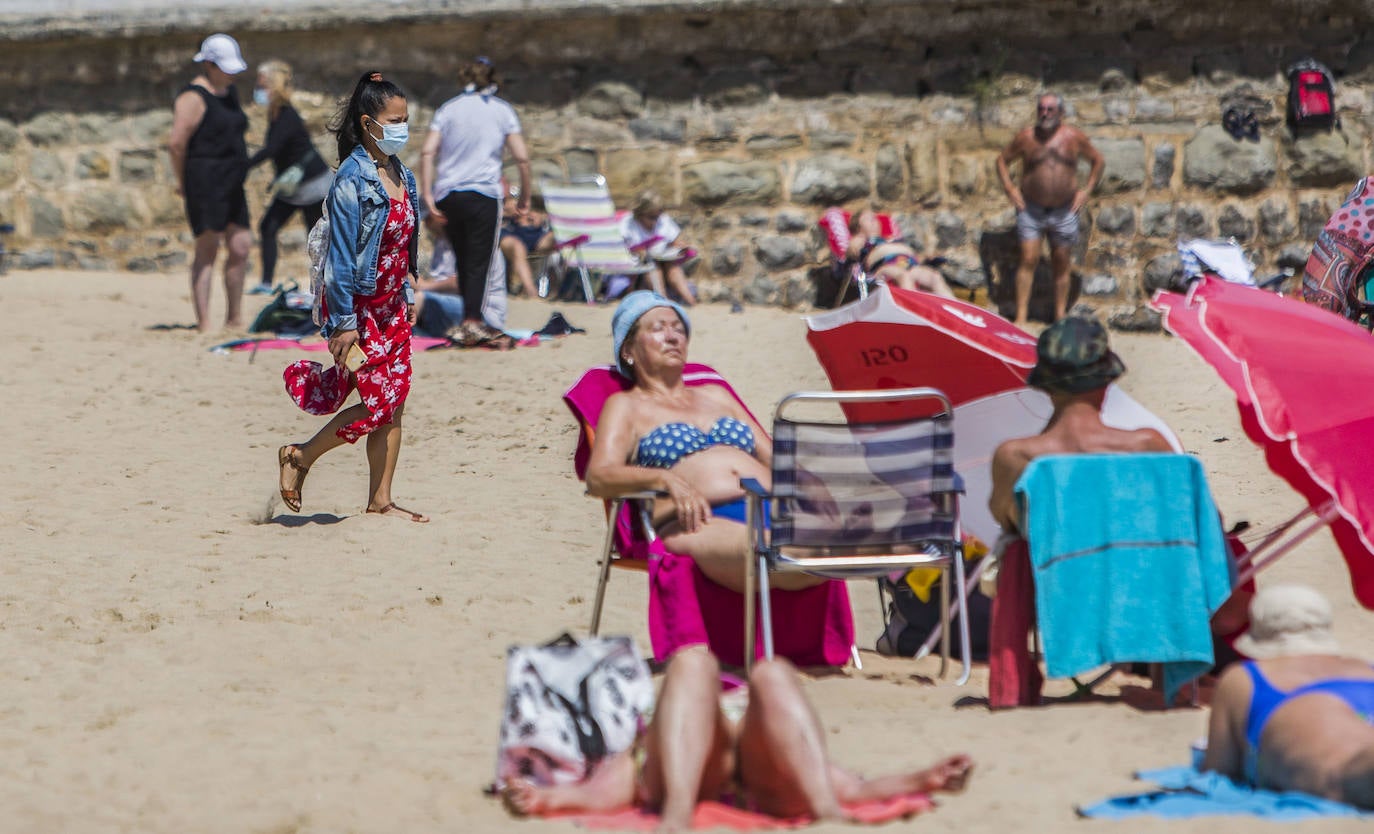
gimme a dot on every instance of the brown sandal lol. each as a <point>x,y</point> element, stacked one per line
<point>291,497</point>
<point>393,507</point>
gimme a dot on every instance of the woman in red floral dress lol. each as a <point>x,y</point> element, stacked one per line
<point>372,235</point>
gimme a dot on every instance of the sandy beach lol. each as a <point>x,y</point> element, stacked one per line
<point>184,655</point>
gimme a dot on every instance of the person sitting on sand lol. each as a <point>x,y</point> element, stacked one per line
<point>1300,716</point>
<point>891,259</point>
<point>772,760</point>
<point>692,443</point>
<point>1074,365</point>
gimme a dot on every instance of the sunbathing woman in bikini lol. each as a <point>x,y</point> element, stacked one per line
<point>773,760</point>
<point>692,442</point>
<point>890,258</point>
<point>1300,717</point>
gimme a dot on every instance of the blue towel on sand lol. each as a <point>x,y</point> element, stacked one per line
<point>1130,561</point>
<point>1188,793</point>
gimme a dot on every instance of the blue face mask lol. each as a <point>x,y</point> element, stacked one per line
<point>393,138</point>
<point>260,97</point>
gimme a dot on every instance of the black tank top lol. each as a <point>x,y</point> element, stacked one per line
<point>217,149</point>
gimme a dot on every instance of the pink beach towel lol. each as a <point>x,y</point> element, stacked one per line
<point>719,815</point>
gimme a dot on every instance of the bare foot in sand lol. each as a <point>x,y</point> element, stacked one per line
<point>400,512</point>
<point>949,775</point>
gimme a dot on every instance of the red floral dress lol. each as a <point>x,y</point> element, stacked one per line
<point>383,381</point>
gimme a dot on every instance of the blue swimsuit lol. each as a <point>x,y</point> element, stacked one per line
<point>671,442</point>
<point>1357,693</point>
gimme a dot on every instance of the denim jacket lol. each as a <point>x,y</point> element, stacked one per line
<point>358,206</point>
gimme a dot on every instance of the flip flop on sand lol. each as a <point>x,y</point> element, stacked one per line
<point>291,483</point>
<point>409,514</point>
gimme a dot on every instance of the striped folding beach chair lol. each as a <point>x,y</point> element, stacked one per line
<point>584,221</point>
<point>866,494</point>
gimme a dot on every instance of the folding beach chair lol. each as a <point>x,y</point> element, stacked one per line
<point>685,607</point>
<point>864,495</point>
<point>834,223</point>
<point>584,223</point>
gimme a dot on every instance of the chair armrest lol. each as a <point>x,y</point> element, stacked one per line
<point>641,495</point>
<point>753,487</point>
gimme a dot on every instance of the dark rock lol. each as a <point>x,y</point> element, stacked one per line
<point>791,221</point>
<point>753,220</point>
<point>1213,160</point>
<point>1157,220</point>
<point>776,253</point>
<point>45,218</point>
<point>141,264</point>
<point>796,290</point>
<point>46,167</point>
<point>611,100</point>
<point>49,129</point>
<point>1139,319</point>
<point>1232,222</point>
<point>92,165</point>
<point>1125,165</point>
<point>1149,109</point>
<point>719,182</point>
<point>719,132</point>
<point>599,134</point>
<point>1164,272</point>
<point>965,175</point>
<point>94,129</point>
<point>1162,172</point>
<point>138,166</point>
<point>950,231</point>
<point>1325,160</point>
<point>9,134</point>
<point>1294,256</point>
<point>1312,216</point>
<point>767,143</point>
<point>1116,220</point>
<point>581,162</point>
<point>890,173</point>
<point>721,221</point>
<point>824,140</point>
<point>1113,81</point>
<point>1192,221</point>
<point>964,275</point>
<point>1275,224</point>
<point>727,257</point>
<point>659,129</point>
<point>92,263</point>
<point>36,259</point>
<point>170,260</point>
<point>828,179</point>
<point>1116,110</point>
<point>760,290</point>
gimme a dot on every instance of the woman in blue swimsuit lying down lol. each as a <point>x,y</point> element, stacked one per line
<point>1300,716</point>
<point>693,443</point>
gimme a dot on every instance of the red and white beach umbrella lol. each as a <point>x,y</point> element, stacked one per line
<point>898,338</point>
<point>1304,384</point>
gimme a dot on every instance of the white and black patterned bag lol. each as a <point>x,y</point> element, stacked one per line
<point>569,705</point>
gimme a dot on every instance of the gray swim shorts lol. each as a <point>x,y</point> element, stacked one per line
<point>1060,225</point>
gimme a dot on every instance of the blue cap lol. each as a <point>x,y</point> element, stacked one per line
<point>632,308</point>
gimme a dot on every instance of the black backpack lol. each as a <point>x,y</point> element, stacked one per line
<point>1311,96</point>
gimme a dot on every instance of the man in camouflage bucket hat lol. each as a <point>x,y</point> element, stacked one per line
<point>1074,365</point>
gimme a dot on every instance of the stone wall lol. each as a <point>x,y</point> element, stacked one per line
<point>745,129</point>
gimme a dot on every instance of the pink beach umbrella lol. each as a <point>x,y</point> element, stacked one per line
<point>897,338</point>
<point>1304,383</point>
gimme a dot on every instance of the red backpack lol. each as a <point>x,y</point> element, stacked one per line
<point>1311,96</point>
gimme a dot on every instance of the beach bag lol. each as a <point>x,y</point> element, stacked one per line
<point>1311,96</point>
<point>915,611</point>
<point>317,249</point>
<point>570,704</point>
<point>1342,255</point>
<point>288,314</point>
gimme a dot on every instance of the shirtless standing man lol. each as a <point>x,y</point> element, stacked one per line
<point>1074,366</point>
<point>1048,200</point>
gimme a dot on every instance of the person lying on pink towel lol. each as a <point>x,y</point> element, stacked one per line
<point>772,760</point>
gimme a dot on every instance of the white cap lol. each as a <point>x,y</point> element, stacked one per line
<point>222,51</point>
<point>1288,620</point>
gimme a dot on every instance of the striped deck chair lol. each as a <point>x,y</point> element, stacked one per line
<point>584,221</point>
<point>866,494</point>
<point>816,625</point>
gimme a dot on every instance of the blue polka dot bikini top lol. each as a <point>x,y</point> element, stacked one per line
<point>671,442</point>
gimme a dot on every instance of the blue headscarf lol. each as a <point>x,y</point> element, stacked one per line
<point>632,308</point>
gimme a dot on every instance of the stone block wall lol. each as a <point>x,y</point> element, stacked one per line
<point>748,131</point>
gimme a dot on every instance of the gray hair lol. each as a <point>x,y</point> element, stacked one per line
<point>1058,100</point>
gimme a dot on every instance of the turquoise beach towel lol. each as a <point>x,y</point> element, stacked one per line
<point>1187,793</point>
<point>1130,561</point>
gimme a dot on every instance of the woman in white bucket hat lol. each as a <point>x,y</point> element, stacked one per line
<point>1300,716</point>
